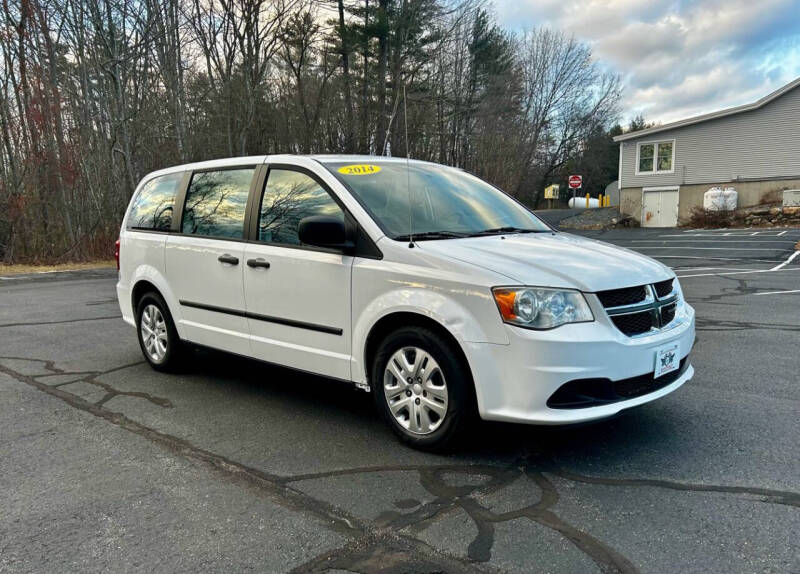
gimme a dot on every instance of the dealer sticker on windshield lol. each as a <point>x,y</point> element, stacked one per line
<point>666,360</point>
<point>360,169</point>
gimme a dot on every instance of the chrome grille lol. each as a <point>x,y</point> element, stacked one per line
<point>633,323</point>
<point>639,310</point>
<point>619,297</point>
<point>668,313</point>
<point>663,288</point>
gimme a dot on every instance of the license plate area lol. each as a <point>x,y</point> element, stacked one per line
<point>667,359</point>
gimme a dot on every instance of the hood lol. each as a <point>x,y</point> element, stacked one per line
<point>553,260</point>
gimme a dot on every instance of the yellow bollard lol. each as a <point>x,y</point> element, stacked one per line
<point>587,201</point>
<point>602,200</point>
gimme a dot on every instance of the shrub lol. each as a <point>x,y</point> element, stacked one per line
<point>774,196</point>
<point>699,217</point>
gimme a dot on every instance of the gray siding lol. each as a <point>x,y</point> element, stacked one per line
<point>758,144</point>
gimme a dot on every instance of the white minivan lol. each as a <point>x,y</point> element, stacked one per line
<point>421,283</point>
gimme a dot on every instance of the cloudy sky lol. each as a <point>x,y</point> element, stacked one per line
<point>678,58</point>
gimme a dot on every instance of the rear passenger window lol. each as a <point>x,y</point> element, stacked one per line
<point>215,203</point>
<point>289,197</point>
<point>152,208</point>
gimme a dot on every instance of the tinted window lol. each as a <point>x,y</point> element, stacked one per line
<point>289,197</point>
<point>425,197</point>
<point>216,202</point>
<point>152,208</point>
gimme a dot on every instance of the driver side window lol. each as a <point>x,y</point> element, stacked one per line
<point>288,197</point>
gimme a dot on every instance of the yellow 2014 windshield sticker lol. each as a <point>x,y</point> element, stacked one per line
<point>360,169</point>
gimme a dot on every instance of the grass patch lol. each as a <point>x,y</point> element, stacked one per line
<point>21,269</point>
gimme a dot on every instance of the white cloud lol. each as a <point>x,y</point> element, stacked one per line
<point>678,58</point>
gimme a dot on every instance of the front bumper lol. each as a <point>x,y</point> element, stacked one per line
<point>514,382</point>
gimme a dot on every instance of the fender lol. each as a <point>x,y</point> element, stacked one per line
<point>450,314</point>
<point>152,275</point>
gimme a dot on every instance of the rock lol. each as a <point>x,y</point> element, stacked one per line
<point>760,211</point>
<point>791,210</point>
<point>775,211</point>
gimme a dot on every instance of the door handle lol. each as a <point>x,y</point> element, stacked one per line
<point>254,263</point>
<point>228,259</point>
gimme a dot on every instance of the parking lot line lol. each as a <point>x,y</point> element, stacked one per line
<point>778,292</point>
<point>678,269</point>
<point>695,233</point>
<point>716,258</point>
<point>784,241</point>
<point>710,248</point>
<point>779,267</point>
<point>773,270</point>
<point>785,263</point>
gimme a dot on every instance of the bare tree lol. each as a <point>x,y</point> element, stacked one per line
<point>565,96</point>
<point>96,93</point>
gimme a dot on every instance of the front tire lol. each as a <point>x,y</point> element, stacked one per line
<point>422,388</point>
<point>156,332</point>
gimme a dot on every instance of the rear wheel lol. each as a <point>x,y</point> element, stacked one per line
<point>158,338</point>
<point>422,387</point>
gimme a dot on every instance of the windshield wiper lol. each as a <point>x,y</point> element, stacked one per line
<point>496,230</point>
<point>430,235</point>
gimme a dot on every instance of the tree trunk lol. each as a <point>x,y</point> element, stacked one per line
<point>54,115</point>
<point>383,55</point>
<point>349,144</point>
<point>365,85</point>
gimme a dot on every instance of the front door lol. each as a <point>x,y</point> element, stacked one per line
<point>660,207</point>
<point>204,261</point>
<point>297,296</point>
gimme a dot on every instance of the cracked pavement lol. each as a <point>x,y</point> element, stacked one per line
<point>239,466</point>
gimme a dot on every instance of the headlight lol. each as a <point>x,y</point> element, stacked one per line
<point>540,308</point>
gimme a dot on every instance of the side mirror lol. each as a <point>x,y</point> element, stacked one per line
<point>323,231</point>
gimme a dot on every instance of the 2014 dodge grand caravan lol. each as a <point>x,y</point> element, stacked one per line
<point>419,282</point>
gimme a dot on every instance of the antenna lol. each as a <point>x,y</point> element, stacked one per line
<point>408,176</point>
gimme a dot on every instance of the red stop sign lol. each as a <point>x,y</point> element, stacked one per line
<point>575,181</point>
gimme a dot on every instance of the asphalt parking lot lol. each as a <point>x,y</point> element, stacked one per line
<point>106,465</point>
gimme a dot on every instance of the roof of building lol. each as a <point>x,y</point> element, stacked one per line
<point>711,116</point>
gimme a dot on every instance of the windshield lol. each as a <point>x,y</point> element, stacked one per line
<point>446,202</point>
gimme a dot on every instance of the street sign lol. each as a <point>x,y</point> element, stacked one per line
<point>551,191</point>
<point>575,181</point>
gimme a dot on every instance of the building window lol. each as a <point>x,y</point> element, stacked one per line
<point>655,157</point>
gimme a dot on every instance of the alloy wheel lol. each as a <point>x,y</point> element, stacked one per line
<point>415,390</point>
<point>154,333</point>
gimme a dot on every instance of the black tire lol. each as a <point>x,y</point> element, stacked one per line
<point>172,359</point>
<point>457,379</point>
